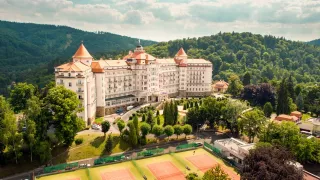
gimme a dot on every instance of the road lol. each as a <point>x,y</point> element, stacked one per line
<point>126,116</point>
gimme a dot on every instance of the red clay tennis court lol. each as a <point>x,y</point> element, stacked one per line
<point>166,171</point>
<point>121,174</point>
<point>203,162</point>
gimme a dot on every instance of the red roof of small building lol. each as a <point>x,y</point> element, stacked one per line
<point>221,84</point>
<point>284,117</point>
<point>296,113</point>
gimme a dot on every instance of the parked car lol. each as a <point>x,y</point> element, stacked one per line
<point>96,127</point>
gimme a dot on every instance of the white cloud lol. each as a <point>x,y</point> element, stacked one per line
<point>171,19</point>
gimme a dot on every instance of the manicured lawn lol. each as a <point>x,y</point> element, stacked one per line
<point>93,145</point>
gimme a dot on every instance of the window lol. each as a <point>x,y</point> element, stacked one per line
<point>70,84</point>
<point>61,81</point>
<point>69,74</point>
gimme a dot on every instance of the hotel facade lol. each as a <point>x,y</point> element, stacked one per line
<point>107,86</point>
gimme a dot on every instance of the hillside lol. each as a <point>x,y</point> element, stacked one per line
<point>265,57</point>
<point>315,42</point>
<point>26,49</point>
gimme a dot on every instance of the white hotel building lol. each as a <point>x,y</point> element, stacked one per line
<point>105,86</point>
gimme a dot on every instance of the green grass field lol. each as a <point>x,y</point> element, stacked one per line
<point>179,160</point>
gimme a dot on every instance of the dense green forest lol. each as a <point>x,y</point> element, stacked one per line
<point>264,57</point>
<point>28,52</point>
<point>315,42</point>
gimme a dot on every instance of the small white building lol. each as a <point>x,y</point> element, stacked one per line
<point>233,149</point>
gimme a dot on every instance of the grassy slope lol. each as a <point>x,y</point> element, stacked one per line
<point>92,146</point>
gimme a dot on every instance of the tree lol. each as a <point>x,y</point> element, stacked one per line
<point>175,112</point>
<point>259,94</point>
<point>216,173</point>
<point>145,128</point>
<point>20,94</point>
<point>9,136</point>
<point>105,126</point>
<point>269,162</point>
<point>63,106</point>
<point>165,112</point>
<point>267,109</point>
<point>235,85</point>
<point>178,130</point>
<point>290,87</point>
<point>283,106</point>
<point>168,130</point>
<point>307,150</point>
<point>121,124</point>
<point>246,79</point>
<point>109,144</point>
<point>158,120</point>
<point>133,135</point>
<point>292,105</point>
<point>43,149</point>
<point>300,102</point>
<point>192,176</point>
<point>184,106</point>
<point>157,130</point>
<point>251,123</point>
<point>30,136</point>
<point>158,113</point>
<point>187,129</point>
<point>143,118</point>
<point>136,125</point>
<point>196,105</point>
<point>150,119</point>
<point>231,112</point>
<point>33,108</point>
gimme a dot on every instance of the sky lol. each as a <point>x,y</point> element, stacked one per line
<point>163,20</point>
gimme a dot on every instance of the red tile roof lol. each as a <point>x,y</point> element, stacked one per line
<point>181,52</point>
<point>284,117</point>
<point>296,113</point>
<point>221,84</point>
<point>96,67</point>
<point>82,52</point>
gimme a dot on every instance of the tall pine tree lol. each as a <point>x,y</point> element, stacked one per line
<point>283,106</point>
<point>246,79</point>
<point>290,87</point>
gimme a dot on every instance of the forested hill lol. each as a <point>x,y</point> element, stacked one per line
<point>315,42</point>
<point>265,57</point>
<point>25,47</point>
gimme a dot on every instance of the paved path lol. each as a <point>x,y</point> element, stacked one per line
<point>126,116</point>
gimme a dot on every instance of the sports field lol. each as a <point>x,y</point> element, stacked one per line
<point>165,167</point>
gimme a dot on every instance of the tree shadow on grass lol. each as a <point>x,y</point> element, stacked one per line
<point>98,141</point>
<point>116,140</point>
